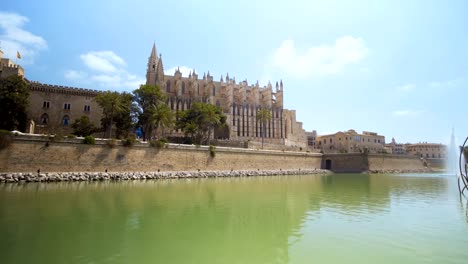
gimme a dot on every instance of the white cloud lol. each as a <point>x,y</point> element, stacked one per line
<point>183,69</point>
<point>14,38</point>
<point>319,60</point>
<point>405,88</point>
<point>103,61</point>
<point>444,83</point>
<point>405,113</point>
<point>106,70</point>
<point>75,75</point>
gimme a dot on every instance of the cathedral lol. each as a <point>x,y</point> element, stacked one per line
<point>52,108</point>
<point>239,101</point>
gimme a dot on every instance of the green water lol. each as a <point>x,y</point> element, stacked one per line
<point>293,219</point>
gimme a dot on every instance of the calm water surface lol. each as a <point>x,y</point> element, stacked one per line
<point>341,218</point>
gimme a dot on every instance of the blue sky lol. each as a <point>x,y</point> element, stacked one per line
<point>399,68</point>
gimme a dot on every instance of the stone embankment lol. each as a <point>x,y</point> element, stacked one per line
<point>396,171</point>
<point>119,176</point>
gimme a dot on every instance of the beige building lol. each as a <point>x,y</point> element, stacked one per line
<point>9,68</point>
<point>53,108</point>
<point>396,148</point>
<point>240,101</point>
<point>351,142</point>
<point>312,139</point>
<point>427,150</point>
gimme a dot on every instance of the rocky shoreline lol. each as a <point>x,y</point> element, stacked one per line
<point>124,176</point>
<point>19,177</point>
<point>396,171</point>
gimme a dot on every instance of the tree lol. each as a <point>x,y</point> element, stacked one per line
<point>14,101</point>
<point>200,121</point>
<point>124,119</point>
<point>150,110</point>
<point>263,116</point>
<point>116,108</point>
<point>83,127</point>
<point>161,116</point>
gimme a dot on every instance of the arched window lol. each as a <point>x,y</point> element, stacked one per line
<point>65,120</point>
<point>44,119</point>
<point>183,87</point>
<point>168,86</point>
<point>214,91</point>
<point>217,103</point>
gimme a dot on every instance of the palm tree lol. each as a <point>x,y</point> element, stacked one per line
<point>263,116</point>
<point>161,116</point>
<point>111,104</point>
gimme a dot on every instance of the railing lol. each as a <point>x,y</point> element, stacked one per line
<point>463,176</point>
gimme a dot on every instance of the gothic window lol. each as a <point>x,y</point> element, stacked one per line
<point>217,103</point>
<point>65,120</point>
<point>183,87</point>
<point>168,86</point>
<point>87,108</point>
<point>238,128</point>
<point>66,106</point>
<point>214,91</point>
<point>46,104</point>
<point>44,119</point>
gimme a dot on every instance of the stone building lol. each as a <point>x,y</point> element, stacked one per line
<point>52,108</point>
<point>312,139</point>
<point>396,148</point>
<point>351,142</point>
<point>240,102</point>
<point>9,68</point>
<point>434,154</point>
<point>427,150</point>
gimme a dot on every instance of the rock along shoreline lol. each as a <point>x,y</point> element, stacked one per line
<point>125,176</point>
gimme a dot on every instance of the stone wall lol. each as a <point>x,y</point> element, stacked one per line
<point>357,162</point>
<point>28,154</point>
<point>385,162</point>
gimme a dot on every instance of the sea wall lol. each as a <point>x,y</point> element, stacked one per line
<point>359,162</point>
<point>29,154</point>
<point>385,162</point>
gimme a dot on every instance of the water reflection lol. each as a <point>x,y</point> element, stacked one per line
<point>234,220</point>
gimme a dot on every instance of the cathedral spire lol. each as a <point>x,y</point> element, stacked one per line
<point>154,52</point>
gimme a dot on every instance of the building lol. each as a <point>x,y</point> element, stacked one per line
<point>240,101</point>
<point>427,150</point>
<point>434,154</point>
<point>396,148</point>
<point>52,108</point>
<point>311,139</point>
<point>9,68</point>
<point>351,142</point>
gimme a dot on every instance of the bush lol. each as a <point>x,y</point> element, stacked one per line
<point>71,136</point>
<point>212,151</point>
<point>89,140</point>
<point>160,143</point>
<point>111,143</point>
<point>129,141</point>
<point>5,138</point>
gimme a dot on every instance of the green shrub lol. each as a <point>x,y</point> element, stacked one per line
<point>129,141</point>
<point>89,140</point>
<point>212,151</point>
<point>71,136</point>
<point>160,143</point>
<point>5,138</point>
<point>111,143</point>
